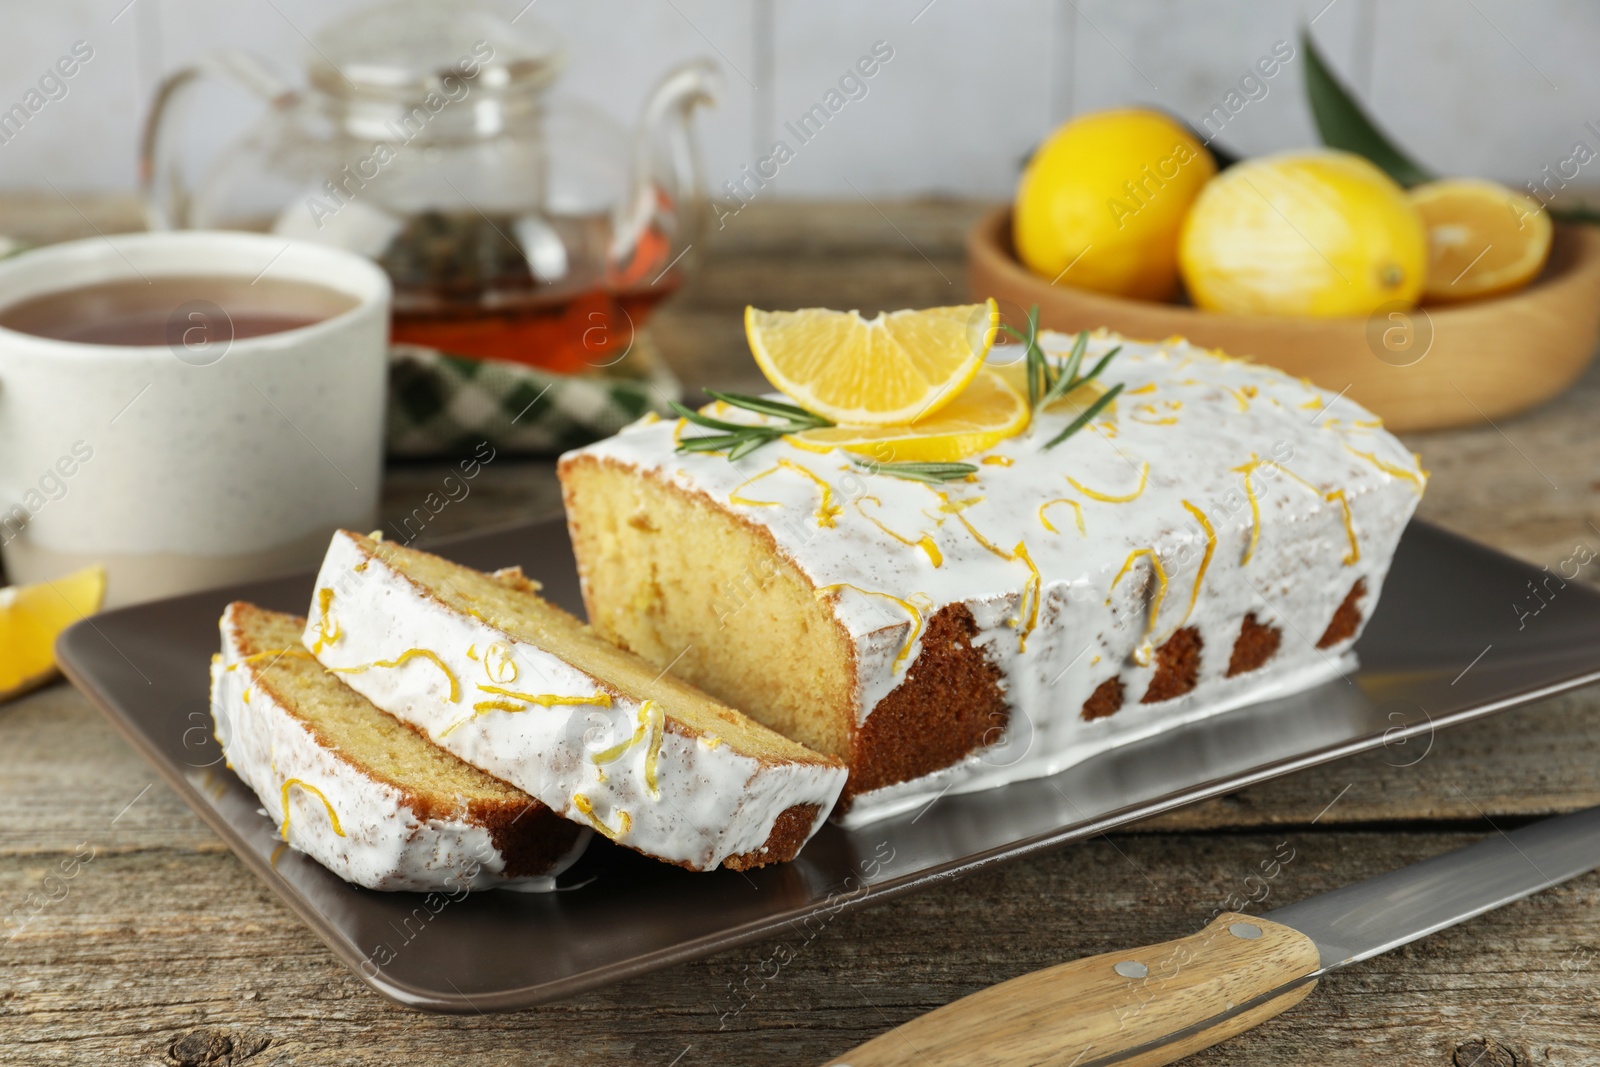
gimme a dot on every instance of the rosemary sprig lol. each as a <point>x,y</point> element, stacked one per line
<point>1047,385</point>
<point>739,439</point>
<point>1083,420</point>
<point>932,473</point>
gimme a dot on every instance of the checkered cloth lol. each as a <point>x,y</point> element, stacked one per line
<point>440,405</point>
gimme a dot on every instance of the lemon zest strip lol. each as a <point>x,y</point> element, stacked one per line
<point>406,657</point>
<point>1332,496</point>
<point>925,542</point>
<point>735,498</point>
<point>907,606</point>
<point>1030,595</point>
<point>1077,510</point>
<point>1108,498</point>
<point>1033,583</point>
<point>520,702</point>
<point>1354,555</point>
<point>328,630</point>
<point>492,705</point>
<point>652,722</point>
<point>949,507</point>
<point>1391,469</point>
<point>827,510</point>
<point>333,816</point>
<point>1239,397</point>
<point>1141,655</point>
<point>600,699</point>
<point>652,755</point>
<point>586,807</point>
<point>1205,560</point>
<point>499,664</point>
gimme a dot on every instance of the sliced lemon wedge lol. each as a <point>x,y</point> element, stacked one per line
<point>987,412</point>
<point>896,368</point>
<point>1483,239</point>
<point>32,616</point>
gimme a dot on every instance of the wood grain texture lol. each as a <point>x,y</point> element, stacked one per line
<point>1088,1009</point>
<point>162,949</point>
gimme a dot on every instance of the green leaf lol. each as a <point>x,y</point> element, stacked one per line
<point>762,406</point>
<point>707,421</point>
<point>919,472</point>
<point>1083,420</point>
<point>1343,124</point>
<point>1080,345</point>
<point>1100,366</point>
<point>747,446</point>
<point>709,442</point>
<point>1576,213</point>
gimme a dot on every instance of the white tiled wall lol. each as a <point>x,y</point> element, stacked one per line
<point>1496,87</point>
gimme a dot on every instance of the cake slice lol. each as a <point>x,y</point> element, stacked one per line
<point>521,689</point>
<point>357,790</point>
<point>1218,535</point>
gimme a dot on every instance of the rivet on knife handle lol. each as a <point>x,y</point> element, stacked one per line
<point>1144,1007</point>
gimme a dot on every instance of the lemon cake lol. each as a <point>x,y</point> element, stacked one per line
<point>519,688</point>
<point>1217,535</point>
<point>358,791</point>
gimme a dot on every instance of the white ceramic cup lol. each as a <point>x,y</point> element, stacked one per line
<point>182,469</point>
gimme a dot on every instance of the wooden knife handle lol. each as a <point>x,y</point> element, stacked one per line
<point>1153,1005</point>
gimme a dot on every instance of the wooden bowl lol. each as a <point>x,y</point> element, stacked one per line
<point>1422,369</point>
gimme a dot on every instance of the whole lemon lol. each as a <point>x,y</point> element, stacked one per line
<point>1317,234</point>
<point>1101,203</point>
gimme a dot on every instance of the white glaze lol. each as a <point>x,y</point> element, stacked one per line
<point>1088,628</point>
<point>384,844</point>
<point>709,801</point>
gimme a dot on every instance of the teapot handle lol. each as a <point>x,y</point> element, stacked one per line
<point>166,197</point>
<point>667,174</point>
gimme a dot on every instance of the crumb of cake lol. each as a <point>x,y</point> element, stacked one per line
<point>712,600</point>
<point>1346,619</point>
<point>1257,643</point>
<point>513,577</point>
<point>789,832</point>
<point>949,705</point>
<point>1177,666</point>
<point>1105,700</point>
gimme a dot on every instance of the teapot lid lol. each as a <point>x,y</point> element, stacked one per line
<point>404,49</point>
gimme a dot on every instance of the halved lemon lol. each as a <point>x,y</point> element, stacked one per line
<point>1483,239</point>
<point>32,616</point>
<point>895,368</point>
<point>987,412</point>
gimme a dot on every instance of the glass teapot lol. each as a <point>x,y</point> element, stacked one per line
<point>514,224</point>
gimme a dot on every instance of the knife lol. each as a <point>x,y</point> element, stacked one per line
<point>1157,1004</point>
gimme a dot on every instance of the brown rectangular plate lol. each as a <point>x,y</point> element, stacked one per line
<point>1446,645</point>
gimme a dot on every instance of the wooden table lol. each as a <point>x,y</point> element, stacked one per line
<point>165,950</point>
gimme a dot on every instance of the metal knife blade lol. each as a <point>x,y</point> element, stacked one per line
<point>1365,919</point>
